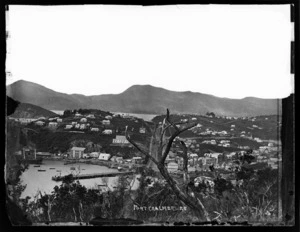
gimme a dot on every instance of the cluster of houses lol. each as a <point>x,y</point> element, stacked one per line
<point>78,153</point>
<point>52,122</point>
<point>220,161</point>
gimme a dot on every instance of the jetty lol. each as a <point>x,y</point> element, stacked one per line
<point>92,175</point>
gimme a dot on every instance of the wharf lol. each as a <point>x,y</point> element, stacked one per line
<point>92,175</point>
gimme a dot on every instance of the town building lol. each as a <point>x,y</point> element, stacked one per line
<point>83,120</point>
<point>39,123</point>
<point>106,122</point>
<point>68,127</point>
<point>104,156</point>
<point>142,130</point>
<point>94,129</point>
<point>137,160</point>
<point>107,132</point>
<point>120,139</point>
<point>52,125</point>
<point>94,154</point>
<point>76,152</point>
<point>82,127</point>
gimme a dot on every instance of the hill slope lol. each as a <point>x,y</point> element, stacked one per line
<point>142,99</point>
<point>26,110</point>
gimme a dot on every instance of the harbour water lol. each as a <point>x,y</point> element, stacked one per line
<point>39,178</point>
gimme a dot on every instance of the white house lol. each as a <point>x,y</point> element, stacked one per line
<point>83,120</point>
<point>232,126</point>
<point>94,154</point>
<point>105,122</point>
<point>142,130</point>
<point>90,116</point>
<point>68,127</point>
<point>104,156</point>
<point>59,120</point>
<point>108,117</point>
<point>76,152</point>
<point>120,139</point>
<point>119,160</point>
<point>77,126</point>
<point>107,132</point>
<point>52,124</point>
<point>39,123</point>
<point>94,129</point>
<point>137,160</point>
<point>194,119</point>
<point>74,123</point>
<point>82,127</point>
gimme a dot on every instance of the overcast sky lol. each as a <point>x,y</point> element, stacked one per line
<point>227,51</point>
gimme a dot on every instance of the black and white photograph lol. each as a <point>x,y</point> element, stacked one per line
<point>149,115</point>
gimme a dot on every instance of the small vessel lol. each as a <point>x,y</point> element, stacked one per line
<point>41,170</point>
<point>51,168</point>
<point>36,166</point>
<point>58,170</point>
<point>72,168</point>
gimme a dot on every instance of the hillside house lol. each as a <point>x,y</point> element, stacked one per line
<point>119,160</point>
<point>213,142</point>
<point>85,155</point>
<point>52,125</point>
<point>95,129</point>
<point>142,130</point>
<point>77,126</point>
<point>107,132</point>
<point>59,120</point>
<point>106,122</point>
<point>41,118</point>
<point>108,117</point>
<point>104,156</point>
<point>39,123</point>
<point>223,132</point>
<point>82,127</point>
<point>68,127</point>
<point>232,126</point>
<point>90,116</point>
<point>43,154</point>
<point>51,119</point>
<point>77,115</point>
<point>199,125</point>
<point>137,160</point>
<point>76,152</point>
<point>83,120</point>
<point>94,154</point>
<point>120,139</point>
<point>74,123</point>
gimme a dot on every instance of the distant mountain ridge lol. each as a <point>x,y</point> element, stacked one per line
<point>143,99</point>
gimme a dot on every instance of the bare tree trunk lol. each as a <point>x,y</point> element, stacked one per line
<point>159,149</point>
